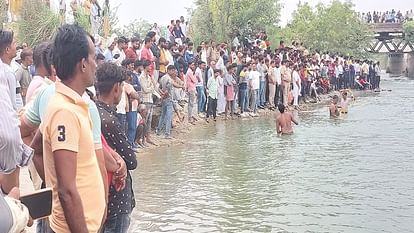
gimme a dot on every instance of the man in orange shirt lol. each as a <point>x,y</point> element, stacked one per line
<point>70,163</point>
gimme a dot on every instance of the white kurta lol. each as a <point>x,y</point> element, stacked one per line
<point>221,100</point>
<point>296,88</point>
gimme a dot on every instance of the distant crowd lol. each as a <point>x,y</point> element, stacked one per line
<point>388,16</point>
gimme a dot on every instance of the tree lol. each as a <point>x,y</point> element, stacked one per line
<point>3,13</point>
<point>335,27</point>
<point>409,31</point>
<point>219,19</point>
<point>38,23</point>
<point>138,28</point>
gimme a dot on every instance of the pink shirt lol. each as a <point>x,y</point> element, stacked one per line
<point>191,80</point>
<point>146,54</point>
<point>35,86</point>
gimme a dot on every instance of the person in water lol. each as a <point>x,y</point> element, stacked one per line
<point>333,108</point>
<point>284,121</point>
<point>344,102</point>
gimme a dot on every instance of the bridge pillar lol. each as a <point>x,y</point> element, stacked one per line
<point>410,65</point>
<point>396,63</point>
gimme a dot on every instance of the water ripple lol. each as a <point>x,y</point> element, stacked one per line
<point>353,174</point>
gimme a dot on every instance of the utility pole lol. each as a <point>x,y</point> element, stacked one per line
<point>106,26</point>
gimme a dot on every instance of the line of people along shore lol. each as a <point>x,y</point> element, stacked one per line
<point>70,109</point>
<point>213,79</point>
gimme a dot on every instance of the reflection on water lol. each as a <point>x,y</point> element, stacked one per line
<point>354,174</point>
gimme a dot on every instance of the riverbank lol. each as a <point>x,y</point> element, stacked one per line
<point>181,130</point>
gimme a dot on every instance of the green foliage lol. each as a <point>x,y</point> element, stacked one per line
<point>409,30</point>
<point>83,20</point>
<point>219,19</point>
<point>335,27</point>
<point>38,22</point>
<point>138,28</point>
<point>3,13</point>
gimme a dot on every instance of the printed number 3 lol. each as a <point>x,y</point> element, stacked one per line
<point>62,133</point>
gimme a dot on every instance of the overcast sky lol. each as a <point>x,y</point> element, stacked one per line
<point>162,11</point>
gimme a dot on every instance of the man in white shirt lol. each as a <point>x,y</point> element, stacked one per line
<point>183,26</point>
<point>119,51</point>
<point>278,76</point>
<point>201,97</point>
<point>254,84</point>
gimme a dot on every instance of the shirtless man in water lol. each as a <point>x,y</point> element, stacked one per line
<point>333,108</point>
<point>284,121</point>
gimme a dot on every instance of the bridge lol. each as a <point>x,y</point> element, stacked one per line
<point>390,38</point>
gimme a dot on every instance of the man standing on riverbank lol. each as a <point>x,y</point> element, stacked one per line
<point>109,84</point>
<point>286,74</point>
<point>254,84</point>
<point>166,86</point>
<point>201,97</point>
<point>14,153</point>
<point>212,92</point>
<point>284,121</point>
<point>70,163</point>
<point>191,82</point>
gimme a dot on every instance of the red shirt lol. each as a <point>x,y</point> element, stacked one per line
<point>130,53</point>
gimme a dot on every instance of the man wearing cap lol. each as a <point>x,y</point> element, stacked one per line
<point>110,48</point>
<point>119,51</point>
<point>98,44</point>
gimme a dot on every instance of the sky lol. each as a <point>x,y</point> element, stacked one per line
<point>162,11</point>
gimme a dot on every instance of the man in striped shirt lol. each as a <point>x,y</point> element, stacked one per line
<point>13,152</point>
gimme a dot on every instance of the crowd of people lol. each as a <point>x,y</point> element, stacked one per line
<point>85,109</point>
<point>388,16</point>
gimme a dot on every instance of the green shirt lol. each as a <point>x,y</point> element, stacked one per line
<point>212,87</point>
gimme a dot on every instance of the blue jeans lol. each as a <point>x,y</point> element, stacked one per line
<point>243,100</point>
<point>201,99</point>
<point>132,126</point>
<point>166,117</point>
<point>122,120</point>
<point>118,224</point>
<point>262,94</point>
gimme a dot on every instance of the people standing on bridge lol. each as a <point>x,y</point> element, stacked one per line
<point>284,121</point>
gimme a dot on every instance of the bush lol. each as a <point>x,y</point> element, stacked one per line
<point>409,31</point>
<point>38,23</point>
<point>3,13</point>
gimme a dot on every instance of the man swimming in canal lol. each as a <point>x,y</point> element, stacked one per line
<point>284,121</point>
<point>333,108</point>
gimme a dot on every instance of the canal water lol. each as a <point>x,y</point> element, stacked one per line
<point>354,174</point>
